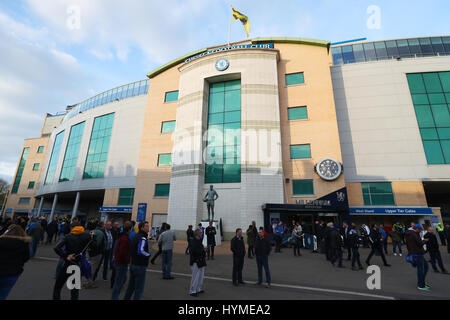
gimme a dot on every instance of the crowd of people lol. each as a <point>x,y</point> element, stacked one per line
<point>120,253</point>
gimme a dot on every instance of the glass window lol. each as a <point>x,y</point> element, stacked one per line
<point>40,149</point>
<point>36,167</point>
<point>425,46</point>
<point>414,46</point>
<point>420,99</point>
<point>99,147</point>
<point>223,164</point>
<point>403,48</point>
<point>444,134</point>
<point>358,52</point>
<point>380,49</point>
<point>424,116</point>
<point>438,47</point>
<point>126,197</point>
<point>446,41</point>
<point>347,54</point>
<point>369,50</point>
<point>433,152</point>
<point>445,81</point>
<point>295,78</point>
<point>416,84</point>
<point>303,187</point>
<point>31,185</point>
<point>337,56</point>
<point>377,193</point>
<point>436,98</point>
<point>301,151</point>
<point>297,113</point>
<point>72,151</point>
<point>391,47</point>
<point>168,126</point>
<point>445,145</point>
<point>432,82</point>
<point>164,160</point>
<point>171,96</point>
<point>429,134</point>
<point>441,115</point>
<point>162,190</point>
<point>54,159</point>
<point>23,160</point>
<point>24,201</point>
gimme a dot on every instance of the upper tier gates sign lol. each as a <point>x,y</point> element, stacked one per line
<point>228,48</point>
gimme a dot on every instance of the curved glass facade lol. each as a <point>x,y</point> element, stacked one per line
<point>391,49</point>
<point>123,92</point>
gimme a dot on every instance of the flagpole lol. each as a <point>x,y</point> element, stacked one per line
<point>229,27</point>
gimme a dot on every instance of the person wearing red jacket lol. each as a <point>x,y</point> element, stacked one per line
<point>122,259</point>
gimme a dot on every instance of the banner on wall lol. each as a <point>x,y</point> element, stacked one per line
<point>142,212</point>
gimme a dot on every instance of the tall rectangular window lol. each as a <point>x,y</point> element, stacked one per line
<point>36,167</point>
<point>377,194</point>
<point>168,126</point>
<point>162,190</point>
<point>40,149</point>
<point>223,153</point>
<point>54,158</point>
<point>72,150</point>
<point>297,113</point>
<point>430,93</point>
<point>99,147</point>
<point>303,187</point>
<point>295,78</point>
<point>171,96</point>
<point>165,160</point>
<point>301,151</point>
<point>23,160</point>
<point>126,197</point>
<point>31,185</point>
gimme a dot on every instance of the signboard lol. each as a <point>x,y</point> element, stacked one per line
<point>142,212</point>
<point>116,209</point>
<point>227,48</point>
<point>336,200</point>
<point>393,211</point>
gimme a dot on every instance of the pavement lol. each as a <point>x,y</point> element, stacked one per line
<point>309,277</point>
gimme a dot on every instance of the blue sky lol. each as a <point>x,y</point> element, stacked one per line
<point>46,65</point>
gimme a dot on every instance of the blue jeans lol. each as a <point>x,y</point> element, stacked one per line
<point>120,279</point>
<point>263,261</point>
<point>166,263</point>
<point>422,269</point>
<point>137,282</point>
<point>6,284</point>
<point>33,248</point>
<point>397,244</point>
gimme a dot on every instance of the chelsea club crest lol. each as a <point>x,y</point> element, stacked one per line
<point>222,64</point>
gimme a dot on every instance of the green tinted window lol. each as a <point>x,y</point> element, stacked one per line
<point>162,190</point>
<point>40,149</point>
<point>297,113</point>
<point>36,167</point>
<point>223,163</point>
<point>301,151</point>
<point>171,96</point>
<point>164,160</point>
<point>99,147</point>
<point>23,160</point>
<point>126,197</point>
<point>377,193</point>
<point>302,187</point>
<point>294,78</point>
<point>72,150</point>
<point>168,126</point>
<point>430,93</point>
<point>31,185</point>
<point>54,158</point>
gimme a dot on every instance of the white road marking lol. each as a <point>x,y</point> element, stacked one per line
<point>354,293</point>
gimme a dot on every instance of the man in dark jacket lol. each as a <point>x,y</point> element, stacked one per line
<point>433,250</point>
<point>344,232</point>
<point>121,259</point>
<point>210,239</point>
<point>189,237</point>
<point>70,250</point>
<point>159,252</point>
<point>197,262</point>
<point>376,240</point>
<point>415,248</point>
<point>140,256</point>
<point>238,249</point>
<point>36,233</point>
<point>262,251</point>
<point>335,244</point>
<point>52,230</point>
<point>353,244</point>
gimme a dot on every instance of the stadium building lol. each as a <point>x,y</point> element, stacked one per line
<point>284,128</point>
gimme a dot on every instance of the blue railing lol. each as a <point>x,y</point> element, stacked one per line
<point>123,92</point>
